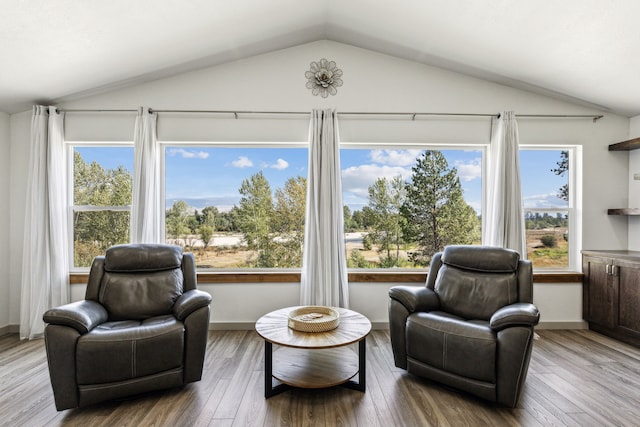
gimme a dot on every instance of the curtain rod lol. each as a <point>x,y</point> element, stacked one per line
<point>413,115</point>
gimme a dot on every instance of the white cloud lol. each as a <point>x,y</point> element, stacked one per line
<point>395,157</point>
<point>242,162</point>
<point>186,154</point>
<point>357,179</point>
<point>280,164</point>
<point>470,170</point>
<point>549,200</point>
<point>477,206</point>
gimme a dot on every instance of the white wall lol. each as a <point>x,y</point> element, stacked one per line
<point>19,160</point>
<point>372,82</point>
<point>634,127</point>
<point>5,145</point>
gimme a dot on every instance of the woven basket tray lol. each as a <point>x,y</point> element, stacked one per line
<point>314,319</point>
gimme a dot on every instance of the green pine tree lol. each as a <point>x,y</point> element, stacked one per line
<point>435,211</point>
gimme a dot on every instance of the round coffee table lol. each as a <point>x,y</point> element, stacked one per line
<point>313,359</point>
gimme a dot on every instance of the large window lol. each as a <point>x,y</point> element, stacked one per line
<point>101,188</point>
<point>404,205</point>
<point>548,192</point>
<point>243,206</point>
<point>237,207</point>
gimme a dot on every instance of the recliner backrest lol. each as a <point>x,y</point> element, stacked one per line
<point>141,280</point>
<point>473,282</point>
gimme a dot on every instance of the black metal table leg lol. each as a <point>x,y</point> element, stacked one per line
<point>360,385</point>
<point>269,389</point>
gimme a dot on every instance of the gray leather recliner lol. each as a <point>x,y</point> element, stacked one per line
<point>471,326</point>
<point>142,326</point>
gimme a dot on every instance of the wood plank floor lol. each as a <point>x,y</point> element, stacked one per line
<point>576,378</point>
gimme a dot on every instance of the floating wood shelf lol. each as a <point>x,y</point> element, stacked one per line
<point>624,211</point>
<point>628,145</point>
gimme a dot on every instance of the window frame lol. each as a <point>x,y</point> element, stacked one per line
<point>574,205</point>
<point>164,144</point>
<point>482,147</point>
<point>73,208</point>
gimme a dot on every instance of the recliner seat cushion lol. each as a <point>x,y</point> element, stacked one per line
<point>452,344</point>
<point>123,350</point>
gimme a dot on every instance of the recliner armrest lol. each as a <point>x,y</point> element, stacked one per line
<point>189,302</point>
<point>82,316</point>
<point>415,298</point>
<point>519,314</point>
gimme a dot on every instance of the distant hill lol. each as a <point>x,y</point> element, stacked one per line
<point>224,204</point>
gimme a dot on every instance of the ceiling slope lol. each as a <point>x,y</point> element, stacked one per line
<point>585,51</point>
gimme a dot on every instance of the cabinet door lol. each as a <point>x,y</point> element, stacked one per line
<point>629,296</point>
<point>600,292</point>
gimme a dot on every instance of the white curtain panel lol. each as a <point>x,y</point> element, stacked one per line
<point>503,221</point>
<point>145,220</point>
<point>45,257</point>
<point>324,278</point>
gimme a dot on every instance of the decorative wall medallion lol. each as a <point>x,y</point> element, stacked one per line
<point>323,78</point>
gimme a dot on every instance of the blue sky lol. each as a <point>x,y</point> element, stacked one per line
<point>214,175</point>
<point>540,186</point>
<point>205,176</point>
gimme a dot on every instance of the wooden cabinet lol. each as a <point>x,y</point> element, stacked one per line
<point>611,293</point>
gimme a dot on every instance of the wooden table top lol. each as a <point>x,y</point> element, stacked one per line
<point>273,327</point>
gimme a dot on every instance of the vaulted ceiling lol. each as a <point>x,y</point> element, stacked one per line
<point>585,51</point>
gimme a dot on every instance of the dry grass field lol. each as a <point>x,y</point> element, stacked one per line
<point>548,257</point>
<point>227,251</point>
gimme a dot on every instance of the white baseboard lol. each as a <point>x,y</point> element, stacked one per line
<point>250,326</point>
<point>563,325</point>
<point>232,326</point>
<point>9,329</point>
